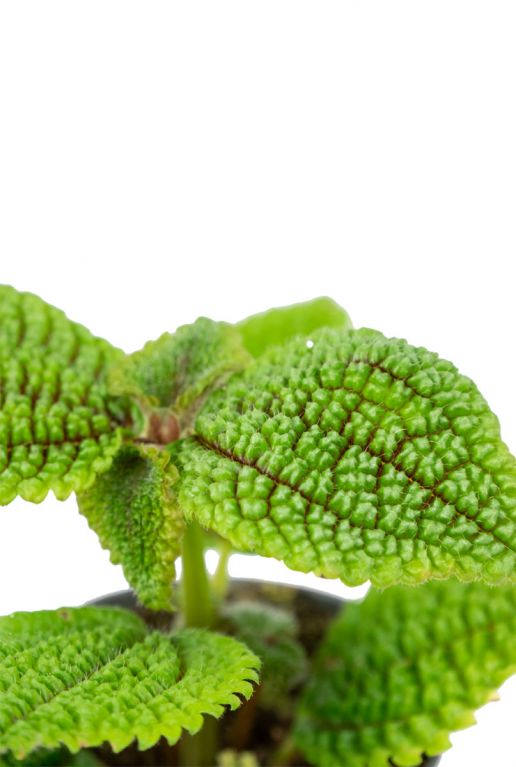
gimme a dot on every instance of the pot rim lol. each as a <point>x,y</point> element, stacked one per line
<point>316,593</point>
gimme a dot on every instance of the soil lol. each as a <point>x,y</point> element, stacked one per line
<point>249,728</point>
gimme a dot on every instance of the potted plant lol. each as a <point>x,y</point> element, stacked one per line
<point>290,435</point>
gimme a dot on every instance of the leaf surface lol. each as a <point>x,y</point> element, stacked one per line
<point>58,425</point>
<point>276,326</point>
<point>356,457</point>
<point>397,673</point>
<point>174,373</point>
<point>83,676</point>
<point>132,508</point>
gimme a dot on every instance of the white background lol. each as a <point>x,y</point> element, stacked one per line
<point>159,161</point>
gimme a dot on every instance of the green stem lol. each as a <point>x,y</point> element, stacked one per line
<point>196,593</point>
<point>197,750</point>
<point>219,581</point>
<point>200,750</point>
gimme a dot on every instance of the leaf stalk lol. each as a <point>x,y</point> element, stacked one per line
<point>195,583</point>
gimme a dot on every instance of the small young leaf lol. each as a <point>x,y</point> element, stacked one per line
<point>357,457</point>
<point>133,510</point>
<point>397,673</point>
<point>170,377</point>
<point>276,326</point>
<point>80,677</point>
<point>58,426</point>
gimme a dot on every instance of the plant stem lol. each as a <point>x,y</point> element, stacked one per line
<point>242,726</point>
<point>196,593</point>
<point>219,581</point>
<point>200,750</point>
<point>197,750</point>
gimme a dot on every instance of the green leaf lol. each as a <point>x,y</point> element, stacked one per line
<point>356,457</point>
<point>21,631</point>
<point>133,510</point>
<point>58,426</point>
<point>81,677</point>
<point>397,673</point>
<point>276,326</point>
<point>171,376</point>
<point>271,633</point>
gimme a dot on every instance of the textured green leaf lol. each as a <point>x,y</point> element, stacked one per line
<point>133,510</point>
<point>276,326</point>
<point>397,673</point>
<point>171,376</point>
<point>356,457</point>
<point>81,677</point>
<point>271,633</point>
<point>58,427</point>
<point>24,630</point>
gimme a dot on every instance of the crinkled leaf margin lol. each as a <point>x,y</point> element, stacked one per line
<point>80,677</point>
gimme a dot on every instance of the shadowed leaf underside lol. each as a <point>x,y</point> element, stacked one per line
<point>133,510</point>
<point>58,426</point>
<point>357,457</point>
<point>80,677</point>
<point>397,673</point>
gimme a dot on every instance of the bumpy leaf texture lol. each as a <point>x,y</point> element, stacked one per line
<point>58,426</point>
<point>133,510</point>
<point>355,456</point>
<point>397,673</point>
<point>132,506</point>
<point>174,373</point>
<point>81,677</point>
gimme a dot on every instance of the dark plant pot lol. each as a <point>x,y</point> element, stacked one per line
<point>314,609</point>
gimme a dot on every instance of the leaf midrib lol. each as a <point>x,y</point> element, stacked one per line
<point>230,455</point>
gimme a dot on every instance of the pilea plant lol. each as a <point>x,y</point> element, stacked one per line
<point>289,435</point>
